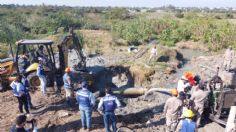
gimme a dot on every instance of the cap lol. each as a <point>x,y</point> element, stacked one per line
<point>84,84</point>
<point>67,70</point>
<point>174,92</point>
<point>188,113</point>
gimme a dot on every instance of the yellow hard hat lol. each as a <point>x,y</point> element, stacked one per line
<point>188,113</point>
<point>174,92</point>
<point>67,70</point>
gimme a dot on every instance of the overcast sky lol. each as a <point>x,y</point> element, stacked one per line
<point>128,3</point>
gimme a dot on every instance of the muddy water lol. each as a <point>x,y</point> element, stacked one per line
<point>188,54</point>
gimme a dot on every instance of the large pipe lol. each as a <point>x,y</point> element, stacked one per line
<point>130,91</point>
<point>140,91</point>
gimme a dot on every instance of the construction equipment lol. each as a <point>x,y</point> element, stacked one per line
<point>223,99</point>
<point>27,57</point>
<point>7,68</point>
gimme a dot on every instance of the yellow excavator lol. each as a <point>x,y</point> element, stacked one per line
<point>28,53</point>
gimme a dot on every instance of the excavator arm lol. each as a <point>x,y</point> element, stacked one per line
<point>71,41</point>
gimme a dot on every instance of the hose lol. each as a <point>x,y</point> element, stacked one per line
<point>161,90</point>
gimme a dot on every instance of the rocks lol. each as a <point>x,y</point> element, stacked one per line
<point>170,70</point>
<point>63,113</point>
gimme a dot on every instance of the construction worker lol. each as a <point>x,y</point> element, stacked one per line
<point>228,58</point>
<point>42,76</point>
<point>40,52</point>
<point>183,83</point>
<point>25,82</point>
<point>67,84</point>
<point>107,105</point>
<point>187,125</point>
<point>86,101</point>
<point>20,123</point>
<point>153,54</point>
<point>172,111</point>
<point>23,63</point>
<point>18,90</point>
<point>199,98</point>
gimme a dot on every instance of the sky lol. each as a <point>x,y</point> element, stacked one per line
<point>128,3</point>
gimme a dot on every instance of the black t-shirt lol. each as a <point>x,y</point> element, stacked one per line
<point>21,130</point>
<point>14,129</point>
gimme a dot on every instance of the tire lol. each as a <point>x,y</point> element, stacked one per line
<point>1,87</point>
<point>33,80</point>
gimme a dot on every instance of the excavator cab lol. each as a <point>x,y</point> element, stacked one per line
<point>27,58</point>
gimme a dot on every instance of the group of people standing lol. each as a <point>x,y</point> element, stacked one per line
<point>86,101</point>
<point>185,108</point>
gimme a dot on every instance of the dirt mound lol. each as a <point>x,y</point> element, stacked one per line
<point>171,56</point>
<point>191,45</point>
<point>141,75</point>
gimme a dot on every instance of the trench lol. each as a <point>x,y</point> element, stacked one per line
<point>136,111</point>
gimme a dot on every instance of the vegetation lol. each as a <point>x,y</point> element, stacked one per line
<point>134,27</point>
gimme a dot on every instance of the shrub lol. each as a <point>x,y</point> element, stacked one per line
<point>179,15</point>
<point>229,15</point>
<point>118,13</point>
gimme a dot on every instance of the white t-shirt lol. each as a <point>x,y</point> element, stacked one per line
<point>18,88</point>
<point>182,85</point>
<point>154,51</point>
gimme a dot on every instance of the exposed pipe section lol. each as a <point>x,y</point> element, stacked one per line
<point>140,91</point>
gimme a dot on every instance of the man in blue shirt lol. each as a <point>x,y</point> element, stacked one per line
<point>19,92</point>
<point>107,105</point>
<point>86,101</point>
<point>42,76</point>
<point>187,125</point>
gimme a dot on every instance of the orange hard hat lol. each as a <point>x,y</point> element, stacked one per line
<point>174,92</point>
<point>67,70</point>
<point>188,75</point>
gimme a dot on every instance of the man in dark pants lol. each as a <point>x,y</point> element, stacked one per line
<point>18,91</point>
<point>25,82</point>
<point>86,101</point>
<point>107,105</point>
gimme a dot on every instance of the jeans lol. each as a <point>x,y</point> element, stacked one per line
<point>23,101</point>
<point>86,116</point>
<point>30,105</point>
<point>107,117</point>
<point>43,83</point>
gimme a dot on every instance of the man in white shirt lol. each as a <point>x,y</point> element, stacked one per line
<point>182,84</point>
<point>18,90</point>
<point>153,54</point>
<point>228,58</point>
